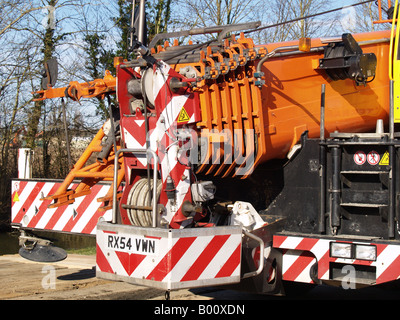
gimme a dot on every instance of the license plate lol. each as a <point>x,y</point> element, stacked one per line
<point>133,244</point>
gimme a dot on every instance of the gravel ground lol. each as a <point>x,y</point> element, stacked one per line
<point>75,279</point>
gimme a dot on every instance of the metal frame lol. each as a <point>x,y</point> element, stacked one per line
<point>154,198</point>
<point>261,264</point>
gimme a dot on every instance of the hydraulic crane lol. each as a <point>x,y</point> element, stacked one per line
<point>244,164</point>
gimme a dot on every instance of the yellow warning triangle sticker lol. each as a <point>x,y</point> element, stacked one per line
<point>16,198</point>
<point>385,159</point>
<point>183,116</point>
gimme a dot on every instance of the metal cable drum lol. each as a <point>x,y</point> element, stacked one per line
<point>139,196</point>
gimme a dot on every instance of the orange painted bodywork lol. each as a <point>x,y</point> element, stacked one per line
<point>287,104</point>
<point>291,97</point>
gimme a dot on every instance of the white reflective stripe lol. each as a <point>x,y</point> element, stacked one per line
<point>190,256</point>
<point>304,276</point>
<point>221,257</point>
<point>90,211</point>
<point>30,213</point>
<point>321,248</point>
<point>150,262</point>
<point>386,258</point>
<point>289,258</point>
<point>290,242</point>
<point>23,196</point>
<point>67,214</point>
<point>115,263</point>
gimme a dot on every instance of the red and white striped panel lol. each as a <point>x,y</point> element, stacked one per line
<point>169,259</point>
<point>300,253</point>
<point>164,141</point>
<point>80,217</point>
<point>134,136</point>
<point>163,138</point>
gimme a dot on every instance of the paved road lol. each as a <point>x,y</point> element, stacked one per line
<point>74,279</point>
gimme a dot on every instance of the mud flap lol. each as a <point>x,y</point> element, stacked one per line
<point>169,258</point>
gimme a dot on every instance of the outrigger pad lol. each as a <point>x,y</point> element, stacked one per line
<point>42,253</point>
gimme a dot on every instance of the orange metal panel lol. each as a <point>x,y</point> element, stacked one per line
<point>292,98</point>
<point>288,103</point>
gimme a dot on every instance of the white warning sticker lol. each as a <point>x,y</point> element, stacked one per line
<point>373,158</point>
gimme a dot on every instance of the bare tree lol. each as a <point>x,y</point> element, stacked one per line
<point>294,19</point>
<point>13,12</point>
<point>206,13</point>
<point>361,18</point>
<point>13,101</point>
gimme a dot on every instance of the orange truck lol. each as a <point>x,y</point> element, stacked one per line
<point>230,163</point>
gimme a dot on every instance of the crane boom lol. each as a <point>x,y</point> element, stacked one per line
<point>75,90</point>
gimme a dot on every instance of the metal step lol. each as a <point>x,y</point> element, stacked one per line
<point>365,205</point>
<point>363,172</point>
